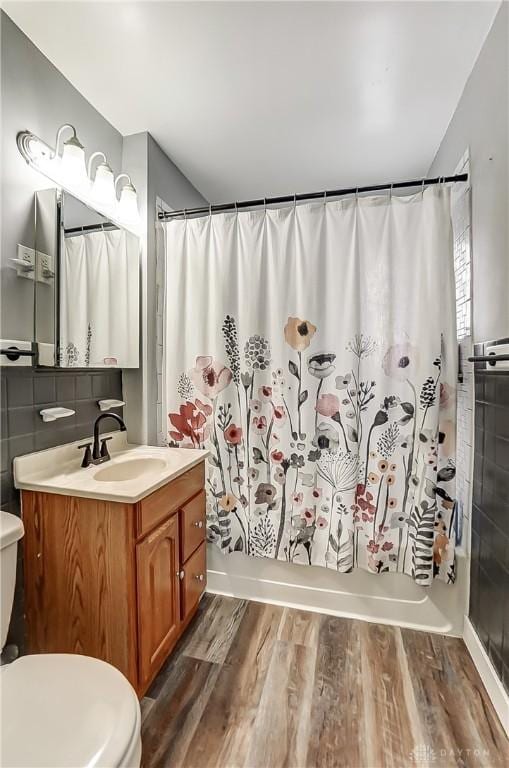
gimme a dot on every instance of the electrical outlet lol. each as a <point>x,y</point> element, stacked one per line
<point>44,270</point>
<point>24,263</point>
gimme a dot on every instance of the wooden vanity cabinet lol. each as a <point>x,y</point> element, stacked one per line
<point>113,580</point>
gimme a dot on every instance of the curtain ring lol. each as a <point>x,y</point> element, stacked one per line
<point>236,209</point>
<point>265,205</point>
<point>422,189</point>
<point>210,209</point>
<point>294,201</point>
<point>390,192</point>
<point>185,215</point>
<point>357,194</point>
<point>325,197</point>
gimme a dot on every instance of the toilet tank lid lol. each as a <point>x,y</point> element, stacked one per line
<point>11,529</point>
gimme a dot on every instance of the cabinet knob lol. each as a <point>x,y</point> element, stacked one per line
<point>198,523</point>
<point>180,574</point>
<point>200,577</point>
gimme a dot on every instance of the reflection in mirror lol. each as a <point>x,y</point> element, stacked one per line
<point>17,264</point>
<point>93,283</point>
<point>46,260</point>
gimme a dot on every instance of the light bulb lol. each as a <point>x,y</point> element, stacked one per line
<point>74,171</point>
<point>128,205</point>
<point>103,188</point>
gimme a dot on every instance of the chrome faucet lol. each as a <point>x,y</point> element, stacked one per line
<point>98,455</point>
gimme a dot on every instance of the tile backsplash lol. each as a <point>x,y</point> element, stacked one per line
<point>24,393</point>
<point>489,570</point>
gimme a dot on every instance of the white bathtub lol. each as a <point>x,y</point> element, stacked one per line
<point>387,598</point>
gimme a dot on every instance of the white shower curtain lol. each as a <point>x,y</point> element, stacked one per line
<point>312,350</point>
<point>99,300</point>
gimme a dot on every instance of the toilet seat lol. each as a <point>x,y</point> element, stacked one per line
<point>62,710</point>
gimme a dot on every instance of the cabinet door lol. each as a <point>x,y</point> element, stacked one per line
<point>158,597</point>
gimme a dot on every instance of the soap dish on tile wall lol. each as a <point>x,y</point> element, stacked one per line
<point>52,414</point>
<point>105,405</point>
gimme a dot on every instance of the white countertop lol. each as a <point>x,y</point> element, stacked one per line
<point>58,470</point>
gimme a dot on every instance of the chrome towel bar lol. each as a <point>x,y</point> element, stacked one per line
<point>492,359</point>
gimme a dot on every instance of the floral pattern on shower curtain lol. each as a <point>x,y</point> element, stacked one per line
<point>312,351</point>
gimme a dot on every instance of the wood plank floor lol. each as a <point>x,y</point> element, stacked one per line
<point>259,686</point>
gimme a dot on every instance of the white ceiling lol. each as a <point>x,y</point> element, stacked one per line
<point>260,98</point>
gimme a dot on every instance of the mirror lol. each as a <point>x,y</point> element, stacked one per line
<point>87,286</point>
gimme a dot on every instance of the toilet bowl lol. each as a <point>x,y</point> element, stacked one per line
<point>61,710</point>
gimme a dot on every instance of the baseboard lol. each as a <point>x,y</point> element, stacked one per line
<point>391,599</point>
<point>488,674</point>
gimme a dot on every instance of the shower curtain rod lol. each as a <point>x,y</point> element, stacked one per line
<point>91,228</point>
<point>206,210</point>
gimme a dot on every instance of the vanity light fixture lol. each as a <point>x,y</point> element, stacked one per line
<point>128,205</point>
<point>69,171</point>
<point>73,168</point>
<point>103,186</point>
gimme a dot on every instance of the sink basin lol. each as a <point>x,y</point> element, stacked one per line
<point>130,469</point>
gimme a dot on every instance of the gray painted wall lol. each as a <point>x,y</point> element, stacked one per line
<point>37,97</point>
<point>167,182</point>
<point>154,175</point>
<point>480,122</point>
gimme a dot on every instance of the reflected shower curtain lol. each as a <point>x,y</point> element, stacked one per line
<point>312,351</point>
<point>99,300</point>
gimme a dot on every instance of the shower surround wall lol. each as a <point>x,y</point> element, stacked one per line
<point>480,123</point>
<point>489,571</point>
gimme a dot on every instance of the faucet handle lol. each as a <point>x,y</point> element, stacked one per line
<point>87,458</point>
<point>104,447</point>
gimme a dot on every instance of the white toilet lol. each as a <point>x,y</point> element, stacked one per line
<point>61,710</point>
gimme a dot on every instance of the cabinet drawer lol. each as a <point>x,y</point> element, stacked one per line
<point>160,504</point>
<point>193,582</point>
<point>192,525</point>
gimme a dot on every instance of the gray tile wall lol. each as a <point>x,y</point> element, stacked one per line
<point>489,569</point>
<point>24,392</point>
